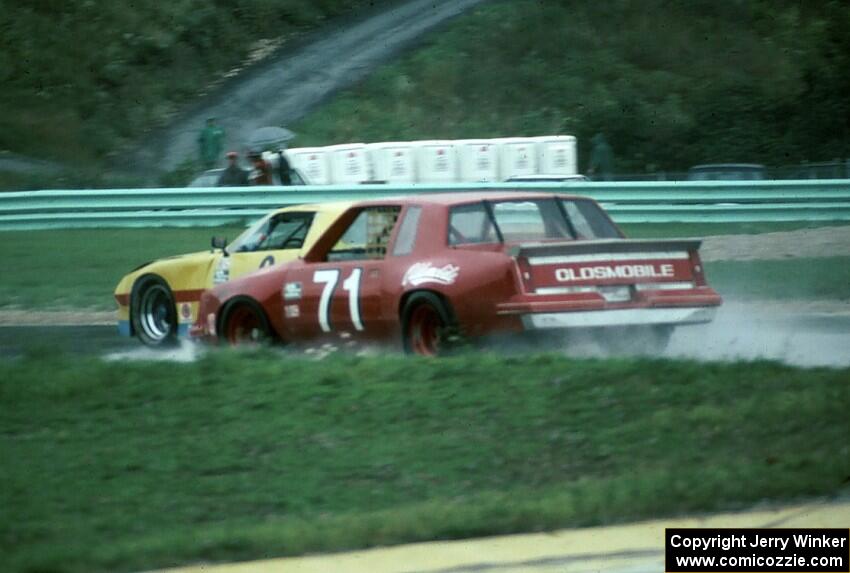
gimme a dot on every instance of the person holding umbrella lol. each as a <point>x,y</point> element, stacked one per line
<point>273,138</point>
<point>262,172</point>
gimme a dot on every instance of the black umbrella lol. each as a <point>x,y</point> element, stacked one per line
<point>270,137</point>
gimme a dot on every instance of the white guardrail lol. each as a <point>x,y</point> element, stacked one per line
<point>627,202</point>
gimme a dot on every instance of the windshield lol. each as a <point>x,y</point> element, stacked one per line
<point>273,232</point>
<point>532,220</point>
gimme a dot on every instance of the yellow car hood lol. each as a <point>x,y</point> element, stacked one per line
<point>182,272</point>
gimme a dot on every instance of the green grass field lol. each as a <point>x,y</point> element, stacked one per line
<point>130,466</point>
<point>80,268</point>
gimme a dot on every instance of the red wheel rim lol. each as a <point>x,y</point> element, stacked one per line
<point>244,326</point>
<point>424,330</point>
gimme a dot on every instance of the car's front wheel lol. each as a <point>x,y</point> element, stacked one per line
<point>153,313</point>
<point>245,324</point>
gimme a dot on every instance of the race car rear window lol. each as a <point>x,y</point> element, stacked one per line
<point>471,224</point>
<point>588,220</point>
<point>529,220</point>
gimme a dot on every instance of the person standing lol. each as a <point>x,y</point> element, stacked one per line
<point>601,159</point>
<point>210,143</point>
<point>233,175</point>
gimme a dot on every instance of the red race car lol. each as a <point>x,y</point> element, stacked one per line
<point>414,269</point>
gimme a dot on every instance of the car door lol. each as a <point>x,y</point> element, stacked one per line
<point>340,296</point>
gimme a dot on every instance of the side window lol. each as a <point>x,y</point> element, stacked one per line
<point>406,238</point>
<point>367,236</point>
<point>470,224</point>
<point>280,231</point>
<point>286,231</point>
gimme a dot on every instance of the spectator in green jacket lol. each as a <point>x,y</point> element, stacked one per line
<point>601,159</point>
<point>211,142</point>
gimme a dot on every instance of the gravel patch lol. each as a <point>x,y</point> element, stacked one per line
<point>804,243</point>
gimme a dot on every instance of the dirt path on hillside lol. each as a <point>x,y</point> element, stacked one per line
<point>290,84</point>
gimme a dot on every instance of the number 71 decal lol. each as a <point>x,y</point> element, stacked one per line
<point>351,285</point>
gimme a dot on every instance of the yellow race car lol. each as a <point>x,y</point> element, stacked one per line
<point>158,301</point>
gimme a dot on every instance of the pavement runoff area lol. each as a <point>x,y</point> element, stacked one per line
<point>634,548</point>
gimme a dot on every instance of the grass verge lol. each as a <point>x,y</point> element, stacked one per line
<point>131,466</point>
<point>79,268</point>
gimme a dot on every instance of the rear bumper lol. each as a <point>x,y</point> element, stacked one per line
<point>618,317</point>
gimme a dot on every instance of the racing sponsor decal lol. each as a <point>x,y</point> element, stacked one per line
<point>421,273</point>
<point>614,272</point>
<point>222,271</point>
<point>186,310</point>
<point>292,291</point>
<point>292,311</point>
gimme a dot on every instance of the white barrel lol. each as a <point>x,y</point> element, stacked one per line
<point>348,163</point>
<point>478,159</point>
<point>556,155</point>
<point>517,156</point>
<point>436,161</point>
<point>312,162</point>
<point>392,161</point>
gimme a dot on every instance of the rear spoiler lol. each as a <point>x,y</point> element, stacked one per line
<point>604,246</point>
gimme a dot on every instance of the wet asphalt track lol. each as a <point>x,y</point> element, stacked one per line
<point>78,340</point>
<point>803,339</point>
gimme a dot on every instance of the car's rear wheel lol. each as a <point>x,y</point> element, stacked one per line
<point>153,313</point>
<point>426,323</point>
<point>246,324</point>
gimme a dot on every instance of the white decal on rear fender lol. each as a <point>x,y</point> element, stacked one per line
<point>421,273</point>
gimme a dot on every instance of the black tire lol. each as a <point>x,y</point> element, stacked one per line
<point>153,313</point>
<point>427,325</point>
<point>244,323</point>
